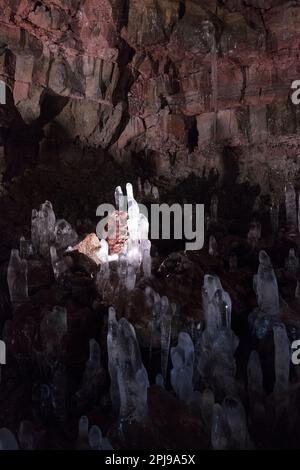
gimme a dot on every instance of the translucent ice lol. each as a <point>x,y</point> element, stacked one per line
<point>220,432</point>
<point>7,440</point>
<point>266,286</point>
<point>182,357</point>
<point>132,376</point>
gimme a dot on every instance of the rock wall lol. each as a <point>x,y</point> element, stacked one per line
<point>170,87</point>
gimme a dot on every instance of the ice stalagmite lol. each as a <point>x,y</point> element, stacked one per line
<point>215,363</point>
<point>119,199</point>
<point>182,357</point>
<point>113,358</point>
<point>59,265</point>
<point>95,438</point>
<point>266,286</point>
<point>282,367</point>
<point>207,405</point>
<point>43,228</point>
<point>290,205</point>
<point>255,388</point>
<point>132,376</point>
<point>83,433</point>
<point>292,263</point>
<point>165,335</point>
<point>213,246</point>
<point>7,440</point>
<point>220,433</point>
<point>17,278</point>
<point>91,375</point>
<point>236,418</point>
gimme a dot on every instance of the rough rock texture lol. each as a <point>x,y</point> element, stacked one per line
<point>169,86</point>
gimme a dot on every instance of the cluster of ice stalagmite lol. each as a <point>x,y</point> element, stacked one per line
<point>129,378</point>
<point>215,365</point>
<point>49,237</point>
<point>91,438</point>
<point>265,286</point>
<point>134,259</point>
<point>47,231</point>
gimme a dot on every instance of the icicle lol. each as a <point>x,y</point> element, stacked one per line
<point>139,184</point>
<point>274,215</point>
<point>17,278</point>
<point>214,208</point>
<point>147,188</point>
<point>297,291</point>
<point>155,193</point>
<point>290,205</point>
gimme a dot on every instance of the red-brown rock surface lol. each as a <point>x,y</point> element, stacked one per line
<point>141,79</point>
